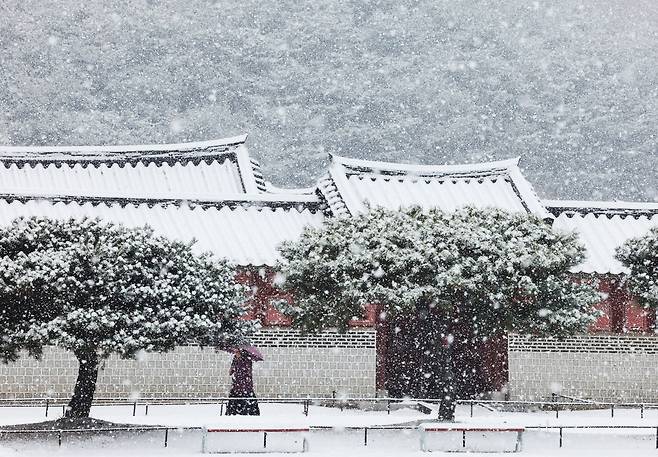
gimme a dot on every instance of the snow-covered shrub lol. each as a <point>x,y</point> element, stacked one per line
<point>640,255</point>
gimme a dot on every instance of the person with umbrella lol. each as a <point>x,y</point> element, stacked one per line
<point>243,399</point>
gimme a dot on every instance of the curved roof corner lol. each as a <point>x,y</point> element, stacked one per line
<point>351,182</point>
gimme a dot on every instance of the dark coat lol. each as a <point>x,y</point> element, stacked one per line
<point>242,380</point>
<point>243,400</point>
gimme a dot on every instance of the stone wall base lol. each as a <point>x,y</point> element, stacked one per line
<point>611,368</point>
<point>294,366</point>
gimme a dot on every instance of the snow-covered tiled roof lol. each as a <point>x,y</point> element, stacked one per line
<point>214,192</point>
<point>204,169</point>
<point>247,231</point>
<point>602,227</point>
<point>352,184</point>
<point>211,191</point>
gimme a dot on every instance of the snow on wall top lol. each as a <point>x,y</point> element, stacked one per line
<point>244,232</point>
<point>209,168</point>
<point>352,183</point>
<point>602,227</point>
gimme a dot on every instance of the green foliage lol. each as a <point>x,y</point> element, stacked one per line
<point>570,86</point>
<point>97,288</point>
<point>640,255</point>
<point>488,269</point>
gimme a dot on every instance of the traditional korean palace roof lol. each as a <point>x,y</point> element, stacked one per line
<point>213,192</point>
<point>352,184</point>
<point>208,191</point>
<point>602,227</point>
<point>203,170</point>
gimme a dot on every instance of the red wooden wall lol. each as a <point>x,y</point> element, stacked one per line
<point>621,311</point>
<point>261,281</point>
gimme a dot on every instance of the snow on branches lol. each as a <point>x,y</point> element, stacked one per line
<point>96,288</point>
<point>499,271</point>
<point>640,255</point>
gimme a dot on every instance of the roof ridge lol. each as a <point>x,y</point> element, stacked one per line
<point>113,153</point>
<point>420,169</point>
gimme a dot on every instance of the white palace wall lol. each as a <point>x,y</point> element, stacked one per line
<point>612,368</point>
<point>294,366</point>
<point>599,367</point>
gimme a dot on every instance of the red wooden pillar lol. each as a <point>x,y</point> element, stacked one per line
<point>382,328</point>
<point>617,302</point>
<point>625,313</point>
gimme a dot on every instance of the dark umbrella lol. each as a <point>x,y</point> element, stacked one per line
<point>253,352</point>
<point>250,351</point>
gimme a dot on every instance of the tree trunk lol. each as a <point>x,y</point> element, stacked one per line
<point>448,402</point>
<point>427,338</point>
<point>85,386</point>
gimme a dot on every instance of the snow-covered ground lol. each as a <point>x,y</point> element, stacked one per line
<point>339,441</point>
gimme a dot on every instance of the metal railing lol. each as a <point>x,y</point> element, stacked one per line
<point>339,402</point>
<point>61,432</point>
<point>558,406</point>
<point>221,402</point>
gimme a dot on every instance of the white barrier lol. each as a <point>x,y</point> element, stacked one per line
<point>264,431</point>
<point>424,431</point>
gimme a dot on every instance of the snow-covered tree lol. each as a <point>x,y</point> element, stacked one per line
<point>98,289</point>
<point>474,272</point>
<point>640,255</point>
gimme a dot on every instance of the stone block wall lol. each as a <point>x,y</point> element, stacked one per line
<point>294,366</point>
<point>615,368</point>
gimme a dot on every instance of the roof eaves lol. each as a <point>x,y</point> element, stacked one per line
<point>608,208</point>
<point>286,201</point>
<point>195,151</point>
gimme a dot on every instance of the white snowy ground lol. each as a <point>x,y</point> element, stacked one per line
<point>338,442</point>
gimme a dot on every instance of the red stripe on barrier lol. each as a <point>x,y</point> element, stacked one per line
<point>244,430</point>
